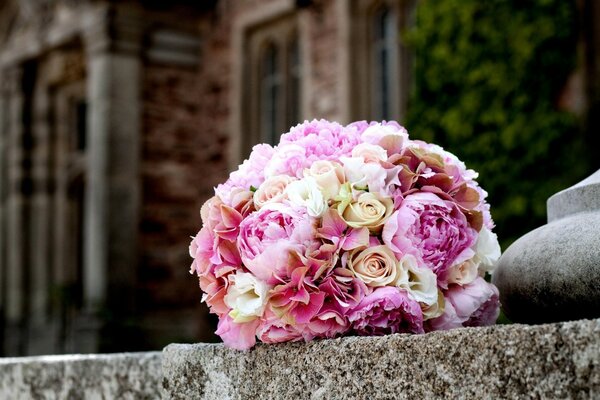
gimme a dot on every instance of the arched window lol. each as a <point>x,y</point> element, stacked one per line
<point>272,95</point>
<point>385,64</point>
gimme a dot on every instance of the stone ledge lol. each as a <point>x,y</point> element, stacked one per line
<point>506,361</point>
<point>101,376</point>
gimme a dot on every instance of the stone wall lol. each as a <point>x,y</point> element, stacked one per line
<point>504,361</point>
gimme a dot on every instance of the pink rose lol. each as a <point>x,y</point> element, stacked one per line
<point>475,304</point>
<point>387,310</point>
<point>432,229</point>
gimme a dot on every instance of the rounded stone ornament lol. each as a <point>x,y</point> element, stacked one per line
<point>553,272</point>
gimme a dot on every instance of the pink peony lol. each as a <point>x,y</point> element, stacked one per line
<point>268,236</point>
<point>475,304</point>
<point>321,140</point>
<point>387,310</point>
<point>433,230</point>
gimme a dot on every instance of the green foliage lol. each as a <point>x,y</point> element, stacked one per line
<point>487,78</point>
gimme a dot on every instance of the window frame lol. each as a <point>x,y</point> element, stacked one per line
<point>282,35</point>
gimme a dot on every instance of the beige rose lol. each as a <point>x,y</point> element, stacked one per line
<point>272,190</point>
<point>328,175</point>
<point>375,266</point>
<point>369,211</point>
<point>463,273</point>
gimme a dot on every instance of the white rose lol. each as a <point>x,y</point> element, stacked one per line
<point>375,266</point>
<point>306,193</point>
<point>272,190</point>
<point>328,175</point>
<point>487,250</point>
<point>463,273</point>
<point>371,153</point>
<point>419,282</point>
<point>246,296</point>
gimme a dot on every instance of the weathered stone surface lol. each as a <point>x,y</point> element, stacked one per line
<point>552,273</point>
<point>105,376</point>
<point>506,361</point>
<point>582,197</point>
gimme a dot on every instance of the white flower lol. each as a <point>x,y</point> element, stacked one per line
<point>420,283</point>
<point>487,250</point>
<point>328,175</point>
<point>363,176</point>
<point>246,296</point>
<point>464,272</point>
<point>306,193</point>
<point>434,310</point>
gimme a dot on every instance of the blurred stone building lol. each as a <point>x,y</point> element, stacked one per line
<point>117,118</point>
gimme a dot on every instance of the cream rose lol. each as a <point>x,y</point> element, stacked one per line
<point>369,211</point>
<point>463,273</point>
<point>419,282</point>
<point>328,175</point>
<point>246,296</point>
<point>375,266</point>
<point>272,190</point>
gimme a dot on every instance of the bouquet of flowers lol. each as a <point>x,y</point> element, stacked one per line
<point>340,230</point>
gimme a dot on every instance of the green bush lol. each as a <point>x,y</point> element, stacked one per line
<point>488,74</point>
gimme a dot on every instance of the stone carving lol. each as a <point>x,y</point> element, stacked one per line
<point>552,273</point>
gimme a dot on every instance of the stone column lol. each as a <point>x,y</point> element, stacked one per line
<point>3,190</point>
<point>41,337</point>
<point>14,266</point>
<point>112,42</point>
